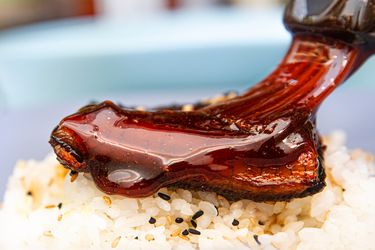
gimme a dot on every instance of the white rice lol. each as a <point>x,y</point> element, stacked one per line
<point>340,217</point>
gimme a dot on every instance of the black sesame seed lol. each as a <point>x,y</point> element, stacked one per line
<point>59,205</point>
<point>261,223</point>
<point>235,222</point>
<point>179,220</point>
<point>185,232</point>
<point>256,239</point>
<point>136,237</point>
<point>193,223</point>
<point>194,231</point>
<point>164,196</point>
<point>197,215</point>
<point>29,193</point>
<point>152,220</point>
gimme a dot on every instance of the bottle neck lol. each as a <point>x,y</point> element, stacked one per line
<point>352,21</point>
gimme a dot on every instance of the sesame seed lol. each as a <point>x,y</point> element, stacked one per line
<point>107,200</point>
<point>261,223</point>
<point>179,220</point>
<point>136,237</point>
<point>150,237</point>
<point>164,196</point>
<point>59,205</point>
<point>184,237</point>
<point>175,233</point>
<point>235,222</point>
<point>194,231</point>
<point>140,108</point>
<point>48,233</point>
<point>73,176</point>
<point>169,219</point>
<point>188,107</point>
<point>193,223</point>
<point>185,232</point>
<point>152,220</point>
<point>197,214</point>
<point>256,239</point>
<point>115,242</point>
<point>29,193</point>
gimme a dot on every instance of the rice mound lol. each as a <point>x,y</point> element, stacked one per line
<point>42,209</point>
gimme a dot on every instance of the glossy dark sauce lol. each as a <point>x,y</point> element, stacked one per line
<point>262,145</point>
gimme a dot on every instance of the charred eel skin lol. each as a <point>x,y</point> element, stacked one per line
<point>261,145</point>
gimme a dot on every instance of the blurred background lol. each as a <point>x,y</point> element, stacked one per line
<point>58,55</point>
